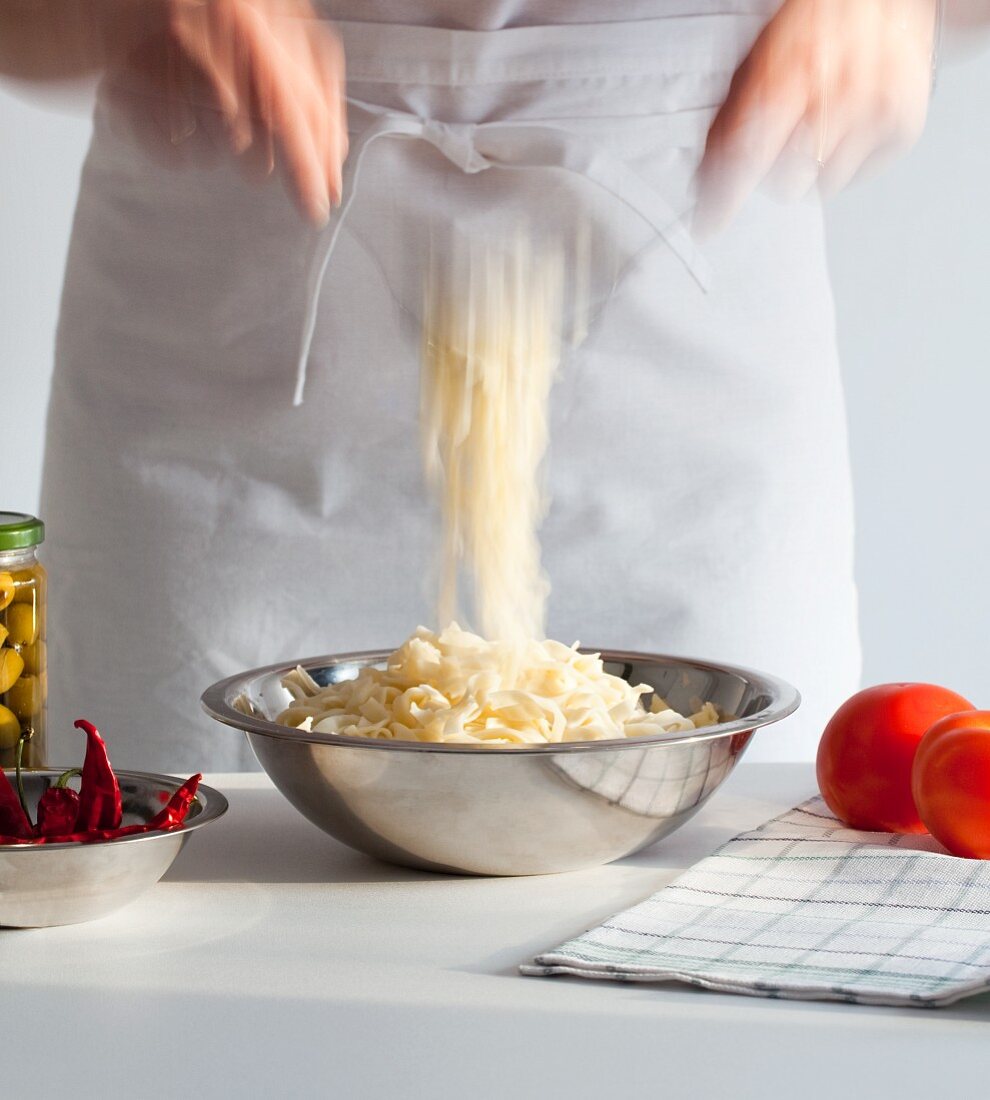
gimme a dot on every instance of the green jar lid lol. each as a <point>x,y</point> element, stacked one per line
<point>18,531</point>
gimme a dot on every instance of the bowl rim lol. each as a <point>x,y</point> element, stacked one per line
<point>216,701</point>
<point>215,805</point>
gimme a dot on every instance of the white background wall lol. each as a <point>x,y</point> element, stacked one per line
<point>911,264</point>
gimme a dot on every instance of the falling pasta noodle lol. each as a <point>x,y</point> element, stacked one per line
<point>491,348</point>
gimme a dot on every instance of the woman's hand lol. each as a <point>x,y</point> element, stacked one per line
<point>831,87</point>
<point>261,79</point>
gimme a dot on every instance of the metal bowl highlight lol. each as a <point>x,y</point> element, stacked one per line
<point>43,885</point>
<point>526,810</point>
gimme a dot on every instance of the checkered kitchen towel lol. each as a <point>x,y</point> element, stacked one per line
<point>803,907</point>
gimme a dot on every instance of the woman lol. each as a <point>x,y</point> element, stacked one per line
<point>218,499</point>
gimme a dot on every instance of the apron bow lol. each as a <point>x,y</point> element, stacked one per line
<point>456,140</point>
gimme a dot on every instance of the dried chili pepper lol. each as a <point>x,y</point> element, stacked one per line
<point>174,814</point>
<point>14,822</point>
<point>94,814</point>
<point>100,804</point>
<point>91,837</point>
<point>171,816</point>
<point>58,809</point>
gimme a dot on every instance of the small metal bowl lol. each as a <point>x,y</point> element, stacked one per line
<point>49,884</point>
<point>524,810</point>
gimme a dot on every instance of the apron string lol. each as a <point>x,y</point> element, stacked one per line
<point>474,147</point>
<point>387,124</point>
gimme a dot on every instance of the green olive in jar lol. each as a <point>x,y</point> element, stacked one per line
<point>11,666</point>
<point>7,590</point>
<point>23,639</point>
<point>24,698</point>
<point>35,657</point>
<point>10,728</point>
<point>22,624</point>
<point>25,587</point>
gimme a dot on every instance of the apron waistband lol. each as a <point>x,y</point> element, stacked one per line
<point>476,147</point>
<point>388,53</point>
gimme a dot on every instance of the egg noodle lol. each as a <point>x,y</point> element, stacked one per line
<point>457,688</point>
<point>491,347</point>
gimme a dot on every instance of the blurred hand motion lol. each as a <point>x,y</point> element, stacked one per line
<point>263,79</point>
<point>831,89</point>
<point>194,80</point>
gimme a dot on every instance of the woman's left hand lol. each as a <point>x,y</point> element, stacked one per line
<point>831,87</point>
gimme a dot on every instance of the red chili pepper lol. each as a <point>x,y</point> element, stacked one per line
<point>174,814</point>
<point>13,820</point>
<point>58,809</point>
<point>171,817</point>
<point>99,793</point>
<point>77,838</point>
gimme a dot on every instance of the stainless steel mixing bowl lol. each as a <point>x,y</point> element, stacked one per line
<point>504,811</point>
<point>42,885</point>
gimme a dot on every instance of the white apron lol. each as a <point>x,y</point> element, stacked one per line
<point>201,520</point>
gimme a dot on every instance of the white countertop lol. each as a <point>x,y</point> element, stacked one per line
<point>273,962</point>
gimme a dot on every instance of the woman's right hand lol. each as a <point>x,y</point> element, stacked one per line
<point>829,88</point>
<point>263,80</point>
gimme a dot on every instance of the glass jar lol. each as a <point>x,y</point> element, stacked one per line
<point>23,639</point>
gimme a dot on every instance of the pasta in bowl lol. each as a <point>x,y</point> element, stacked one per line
<point>531,807</point>
<point>457,688</point>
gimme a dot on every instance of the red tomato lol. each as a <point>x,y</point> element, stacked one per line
<point>867,749</point>
<point>951,783</point>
